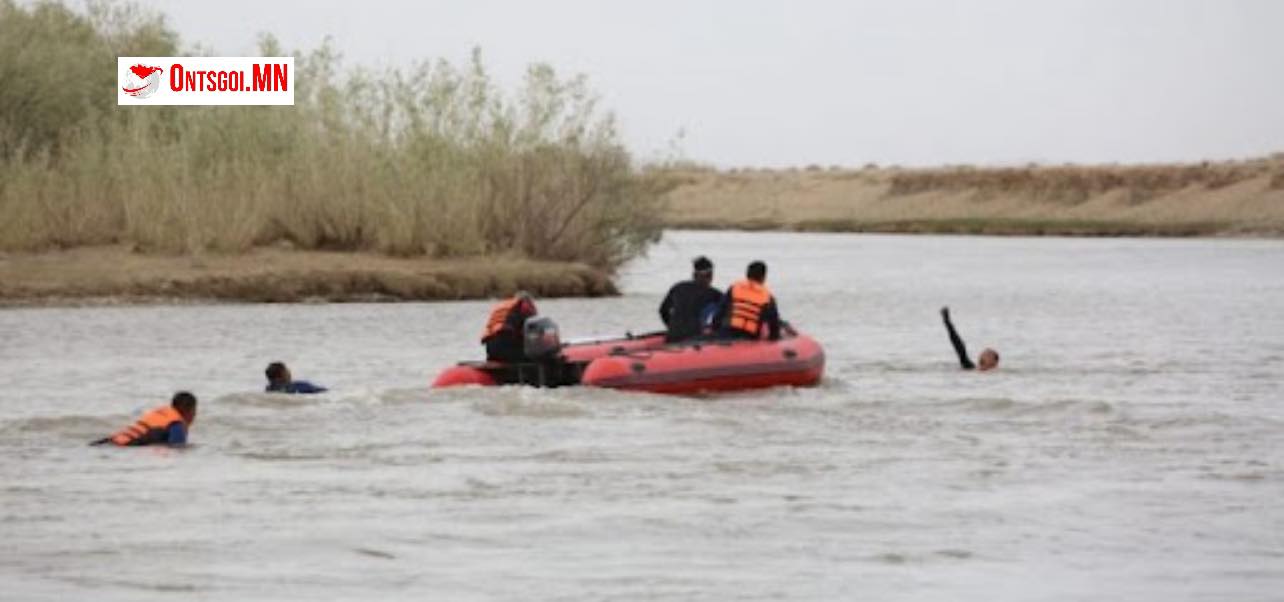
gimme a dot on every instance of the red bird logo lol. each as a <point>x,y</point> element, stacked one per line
<point>142,72</point>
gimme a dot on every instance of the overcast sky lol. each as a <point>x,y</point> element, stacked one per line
<point>758,83</point>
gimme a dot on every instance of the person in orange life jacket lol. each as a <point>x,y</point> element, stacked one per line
<point>687,308</point>
<point>164,425</point>
<point>747,306</point>
<point>503,333</point>
<point>987,360</point>
<point>281,381</point>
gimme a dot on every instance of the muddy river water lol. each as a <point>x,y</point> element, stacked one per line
<point>1130,447</point>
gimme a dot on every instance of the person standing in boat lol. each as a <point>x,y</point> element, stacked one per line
<point>503,334</point>
<point>690,304</point>
<point>747,306</point>
<point>987,360</point>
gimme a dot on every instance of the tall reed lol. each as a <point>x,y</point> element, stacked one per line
<point>430,160</point>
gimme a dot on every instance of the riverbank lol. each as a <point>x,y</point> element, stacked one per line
<point>104,275</point>
<point>1223,199</point>
<point>1244,198</point>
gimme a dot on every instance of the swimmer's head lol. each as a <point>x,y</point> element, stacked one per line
<point>277,373</point>
<point>988,360</point>
<point>185,403</point>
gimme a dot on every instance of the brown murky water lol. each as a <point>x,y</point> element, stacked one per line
<point>1130,447</point>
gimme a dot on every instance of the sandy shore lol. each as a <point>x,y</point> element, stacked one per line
<point>1234,198</point>
<point>116,275</point>
<point>1221,199</point>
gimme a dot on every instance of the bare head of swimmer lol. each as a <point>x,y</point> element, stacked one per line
<point>988,360</point>
<point>278,373</point>
<point>185,403</point>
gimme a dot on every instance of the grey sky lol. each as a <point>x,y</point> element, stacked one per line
<point>760,83</point>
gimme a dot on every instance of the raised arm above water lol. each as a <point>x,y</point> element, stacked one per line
<point>956,341</point>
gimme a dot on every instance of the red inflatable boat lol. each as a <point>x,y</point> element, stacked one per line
<point>565,370</point>
<point>646,363</point>
<point>796,360</point>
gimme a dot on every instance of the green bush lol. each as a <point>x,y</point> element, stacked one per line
<point>431,160</point>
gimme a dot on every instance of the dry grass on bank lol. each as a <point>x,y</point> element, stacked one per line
<point>1237,198</point>
<point>433,160</point>
<point>117,274</point>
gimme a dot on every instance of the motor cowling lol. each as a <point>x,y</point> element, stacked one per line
<point>541,339</point>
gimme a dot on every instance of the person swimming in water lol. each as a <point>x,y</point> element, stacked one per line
<point>166,425</point>
<point>987,360</point>
<point>281,381</point>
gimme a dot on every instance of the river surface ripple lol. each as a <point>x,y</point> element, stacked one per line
<point>1129,448</point>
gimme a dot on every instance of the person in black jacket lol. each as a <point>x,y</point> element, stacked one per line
<point>987,360</point>
<point>687,308</point>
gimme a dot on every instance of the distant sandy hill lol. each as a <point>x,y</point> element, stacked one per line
<point>1227,198</point>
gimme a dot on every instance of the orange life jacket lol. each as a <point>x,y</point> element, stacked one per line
<point>158,419</point>
<point>498,321</point>
<point>748,298</point>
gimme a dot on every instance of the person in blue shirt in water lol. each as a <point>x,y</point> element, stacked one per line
<point>281,381</point>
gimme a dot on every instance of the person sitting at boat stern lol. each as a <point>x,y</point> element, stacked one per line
<point>281,381</point>
<point>690,304</point>
<point>503,336</point>
<point>167,425</point>
<point>747,306</point>
<point>987,360</point>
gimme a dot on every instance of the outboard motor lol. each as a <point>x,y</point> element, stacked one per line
<point>540,339</point>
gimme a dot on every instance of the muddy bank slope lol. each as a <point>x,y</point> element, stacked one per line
<point>115,274</point>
